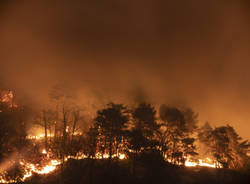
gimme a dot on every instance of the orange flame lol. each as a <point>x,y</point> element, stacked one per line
<point>205,163</point>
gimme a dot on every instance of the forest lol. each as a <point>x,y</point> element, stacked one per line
<point>137,141</point>
<point>124,92</point>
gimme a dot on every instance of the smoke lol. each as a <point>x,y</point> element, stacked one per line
<point>8,163</point>
<point>192,53</point>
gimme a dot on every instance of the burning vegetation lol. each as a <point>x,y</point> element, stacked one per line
<point>115,133</point>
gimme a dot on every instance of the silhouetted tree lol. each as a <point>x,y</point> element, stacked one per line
<point>191,120</point>
<point>12,129</point>
<point>176,128</point>
<point>91,142</point>
<point>111,123</point>
<point>205,132</point>
<point>13,140</point>
<point>144,127</point>
<point>76,118</point>
<point>142,133</point>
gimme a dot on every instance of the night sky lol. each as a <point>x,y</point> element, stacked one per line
<point>186,53</point>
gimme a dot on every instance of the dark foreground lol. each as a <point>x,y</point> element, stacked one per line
<point>146,172</point>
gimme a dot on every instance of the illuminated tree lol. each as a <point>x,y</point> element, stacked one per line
<point>205,132</point>
<point>226,146</point>
<point>176,128</point>
<point>188,148</point>
<point>46,118</point>
<point>67,118</point>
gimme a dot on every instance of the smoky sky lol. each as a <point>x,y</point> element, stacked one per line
<point>185,53</point>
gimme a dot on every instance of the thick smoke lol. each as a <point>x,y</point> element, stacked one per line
<point>191,53</point>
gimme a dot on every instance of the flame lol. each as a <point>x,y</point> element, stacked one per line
<point>32,168</point>
<point>106,156</point>
<point>42,136</point>
<point>47,169</point>
<point>44,151</point>
<point>122,156</point>
<point>51,165</point>
<point>7,97</point>
<point>6,181</point>
<point>204,163</point>
<point>190,164</point>
<point>38,137</point>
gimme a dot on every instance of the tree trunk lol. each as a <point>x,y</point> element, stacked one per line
<point>45,130</point>
<point>55,132</point>
<point>74,128</point>
<point>110,148</point>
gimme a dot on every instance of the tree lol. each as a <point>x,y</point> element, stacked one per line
<point>176,128</point>
<point>226,145</point>
<point>12,129</point>
<point>12,138</point>
<point>111,123</point>
<point>76,118</point>
<point>92,139</point>
<point>191,120</point>
<point>144,127</point>
<point>46,118</point>
<point>204,134</point>
<point>188,148</point>
<point>66,112</point>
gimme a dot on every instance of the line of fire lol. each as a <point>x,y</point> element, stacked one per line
<point>42,143</point>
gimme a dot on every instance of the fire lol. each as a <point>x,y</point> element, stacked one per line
<point>106,156</point>
<point>44,151</point>
<point>190,164</point>
<point>42,136</point>
<point>47,169</point>
<point>38,137</point>
<point>7,96</point>
<point>205,163</point>
<point>51,165</point>
<point>122,156</point>
<point>47,166</point>
<point>6,181</point>
<point>32,168</point>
